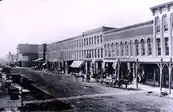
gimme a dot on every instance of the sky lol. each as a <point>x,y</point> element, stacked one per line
<point>46,21</point>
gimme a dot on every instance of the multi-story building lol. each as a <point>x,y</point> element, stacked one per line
<point>144,50</point>
<point>42,49</point>
<point>26,54</point>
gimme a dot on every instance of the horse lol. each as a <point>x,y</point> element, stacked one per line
<point>78,76</point>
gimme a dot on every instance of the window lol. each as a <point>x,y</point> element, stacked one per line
<point>126,48</point>
<point>92,53</point>
<point>149,46</point>
<point>166,46</point>
<point>117,49</point>
<point>165,23</point>
<point>158,47</point>
<point>109,51</point>
<point>97,39</point>
<point>101,52</point>
<point>95,53</point>
<point>122,49</point>
<point>137,47</point>
<point>131,48</point>
<point>89,40</point>
<point>101,39</point>
<point>84,53</point>
<point>98,53</point>
<point>105,49</point>
<point>92,40</point>
<point>112,50</point>
<point>157,21</point>
<point>142,47</point>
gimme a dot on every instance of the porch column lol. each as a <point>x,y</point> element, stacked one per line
<point>154,79</point>
<point>160,78</point>
<point>86,70</point>
<point>133,69</point>
<point>170,71</point>
<point>118,74</point>
<point>90,69</point>
<point>96,63</point>
<point>137,73</point>
<point>161,68</point>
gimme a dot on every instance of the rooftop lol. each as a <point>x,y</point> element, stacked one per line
<point>129,27</point>
<point>161,5</point>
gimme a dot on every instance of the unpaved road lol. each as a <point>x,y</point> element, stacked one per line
<point>86,97</point>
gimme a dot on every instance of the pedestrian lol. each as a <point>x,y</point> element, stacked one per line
<point>88,76</point>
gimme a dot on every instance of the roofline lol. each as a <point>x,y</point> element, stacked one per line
<point>130,26</point>
<point>161,5</point>
<point>98,29</point>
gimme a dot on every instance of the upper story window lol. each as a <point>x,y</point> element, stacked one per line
<point>109,51</point>
<point>166,46</point>
<point>131,48</point>
<point>158,46</point>
<point>92,40</point>
<point>157,21</point>
<point>137,47</point>
<point>117,49</point>
<point>89,40</point>
<point>142,47</point>
<point>149,46</point>
<point>122,49</point>
<point>165,23</point>
<point>98,40</point>
<point>101,52</point>
<point>105,49</point>
<point>112,48</point>
<point>126,48</point>
<point>95,39</point>
<point>101,39</point>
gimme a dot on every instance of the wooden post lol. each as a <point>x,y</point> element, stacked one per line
<point>154,73</point>
<point>137,73</point>
<point>170,71</point>
<point>161,68</point>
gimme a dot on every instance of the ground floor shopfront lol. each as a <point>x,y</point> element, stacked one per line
<point>154,71</point>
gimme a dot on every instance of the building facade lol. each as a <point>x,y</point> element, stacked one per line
<point>143,50</point>
<point>26,54</point>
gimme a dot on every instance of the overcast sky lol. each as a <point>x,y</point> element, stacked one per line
<point>39,21</point>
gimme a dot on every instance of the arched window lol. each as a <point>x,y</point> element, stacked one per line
<point>157,21</point>
<point>166,46</point>
<point>112,50</point>
<point>165,23</point>
<point>149,46</point>
<point>137,47</point>
<point>121,49</point>
<point>117,49</point>
<point>158,46</point>
<point>105,49</point>
<point>131,48</point>
<point>142,47</point>
<point>109,50</point>
<point>126,48</point>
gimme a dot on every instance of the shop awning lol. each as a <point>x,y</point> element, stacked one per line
<point>39,59</point>
<point>76,64</point>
